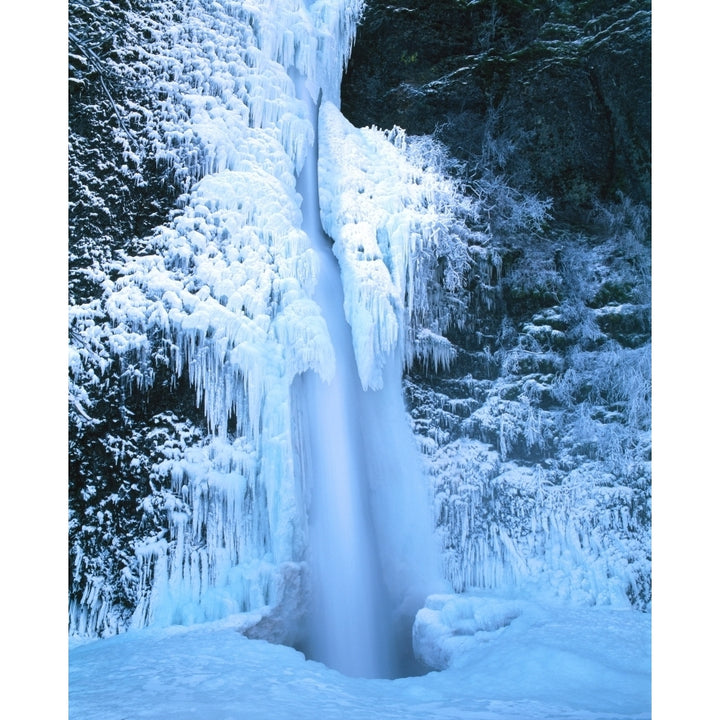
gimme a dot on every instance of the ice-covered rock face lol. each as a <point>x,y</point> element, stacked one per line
<point>227,290</point>
<point>538,456</point>
<point>557,94</point>
<point>360,172</point>
<point>391,221</point>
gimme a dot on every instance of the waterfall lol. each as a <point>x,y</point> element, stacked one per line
<point>355,464</point>
<point>349,618</point>
<point>226,290</point>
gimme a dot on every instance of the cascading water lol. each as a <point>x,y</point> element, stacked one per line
<point>359,473</point>
<point>226,290</point>
<point>350,615</point>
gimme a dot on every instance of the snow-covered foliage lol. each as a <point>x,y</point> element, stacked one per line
<point>540,450</point>
<point>577,535</point>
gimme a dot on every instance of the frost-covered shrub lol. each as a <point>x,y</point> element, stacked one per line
<point>120,499</point>
<point>506,210</point>
<point>613,378</point>
<point>565,502</point>
<point>580,535</point>
<point>119,186</point>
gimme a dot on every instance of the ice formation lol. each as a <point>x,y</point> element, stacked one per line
<point>227,291</point>
<point>505,525</point>
<point>384,213</point>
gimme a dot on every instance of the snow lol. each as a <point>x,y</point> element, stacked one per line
<point>509,659</point>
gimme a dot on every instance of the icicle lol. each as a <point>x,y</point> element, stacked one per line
<point>230,289</point>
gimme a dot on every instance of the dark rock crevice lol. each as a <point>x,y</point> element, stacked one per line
<point>563,88</point>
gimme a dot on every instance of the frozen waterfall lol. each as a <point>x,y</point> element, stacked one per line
<point>289,300</point>
<point>360,476</point>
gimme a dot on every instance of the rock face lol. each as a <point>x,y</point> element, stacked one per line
<point>543,421</point>
<point>560,90</point>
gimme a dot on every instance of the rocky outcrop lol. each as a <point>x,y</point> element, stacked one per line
<point>555,95</point>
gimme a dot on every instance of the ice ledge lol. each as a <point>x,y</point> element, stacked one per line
<point>450,626</point>
<point>381,210</point>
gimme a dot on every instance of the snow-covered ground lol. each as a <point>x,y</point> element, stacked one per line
<point>546,662</point>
